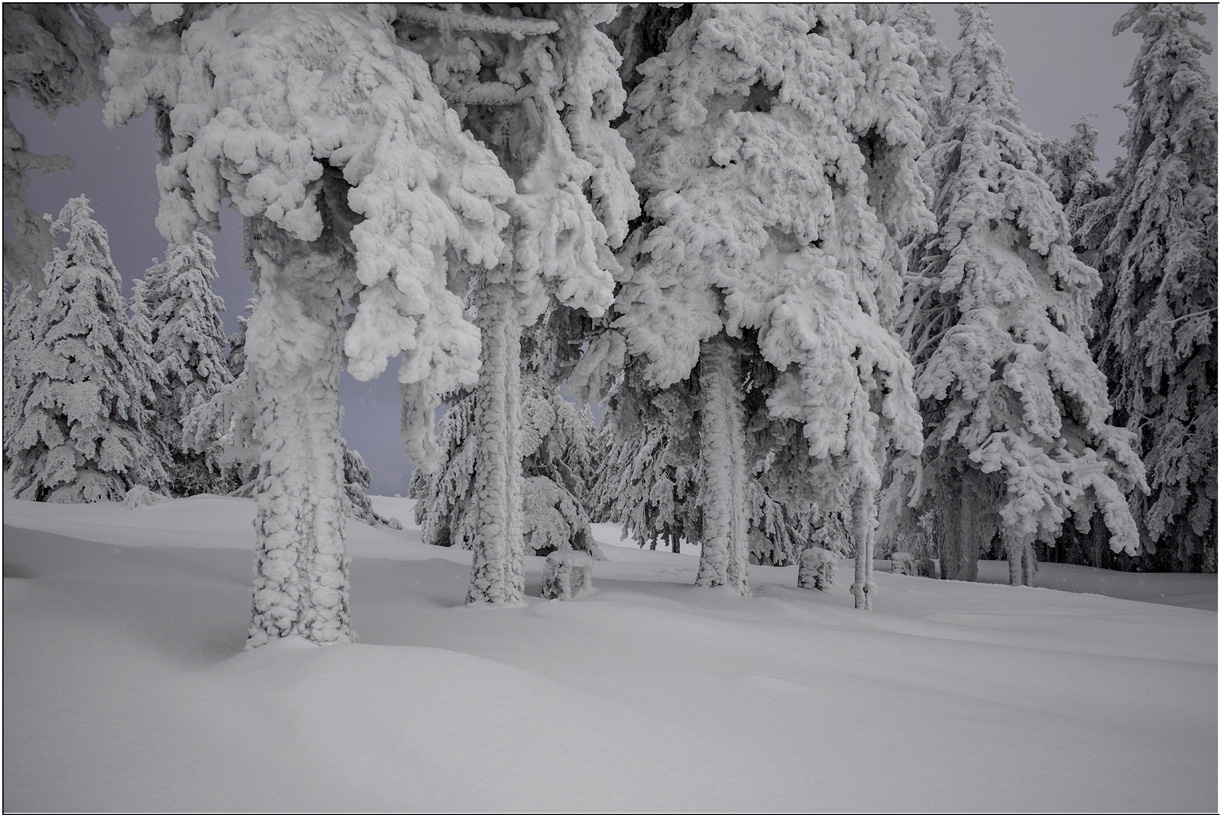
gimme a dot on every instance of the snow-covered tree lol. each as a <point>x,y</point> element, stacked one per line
<point>357,478</point>
<point>1015,411</point>
<point>1157,332</point>
<point>20,311</point>
<point>1070,169</point>
<point>222,426</point>
<point>928,60</point>
<point>648,479</point>
<point>538,85</point>
<point>52,53</point>
<point>84,419</point>
<point>188,342</point>
<point>556,464</point>
<point>776,148</point>
<point>362,188</point>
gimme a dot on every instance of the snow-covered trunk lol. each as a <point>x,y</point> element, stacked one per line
<point>293,351</point>
<point>1022,562</point>
<point>864,516</point>
<point>723,559</point>
<point>498,567</point>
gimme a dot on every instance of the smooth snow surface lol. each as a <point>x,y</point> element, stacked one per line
<point>126,687</point>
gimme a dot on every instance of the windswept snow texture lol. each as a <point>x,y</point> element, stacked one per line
<point>126,687</point>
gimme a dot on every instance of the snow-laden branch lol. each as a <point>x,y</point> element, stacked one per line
<point>453,20</point>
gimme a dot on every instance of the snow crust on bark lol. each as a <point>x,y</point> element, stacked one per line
<point>293,338</point>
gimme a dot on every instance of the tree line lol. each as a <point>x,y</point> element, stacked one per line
<point>827,299</point>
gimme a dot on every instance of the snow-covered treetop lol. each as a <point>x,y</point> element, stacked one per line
<point>776,144</point>
<point>539,85</point>
<point>255,102</point>
<point>52,51</point>
<point>1071,170</point>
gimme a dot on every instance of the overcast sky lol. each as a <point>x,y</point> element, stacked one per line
<point>1062,57</point>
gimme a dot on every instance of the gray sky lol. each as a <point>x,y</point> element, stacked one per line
<point>1062,57</point>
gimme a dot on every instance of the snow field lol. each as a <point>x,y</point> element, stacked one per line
<point>125,686</point>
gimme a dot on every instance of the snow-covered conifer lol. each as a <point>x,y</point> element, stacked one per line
<point>52,52</point>
<point>1015,411</point>
<point>539,86</point>
<point>20,311</point>
<point>188,342</point>
<point>359,186</point>
<point>1157,333</point>
<point>555,461</point>
<point>357,478</point>
<point>776,147</point>
<point>84,422</point>
<point>648,480</point>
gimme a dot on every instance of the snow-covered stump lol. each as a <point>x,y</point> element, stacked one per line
<point>816,569</point>
<point>498,565</point>
<point>293,350</point>
<point>902,563</point>
<point>864,510</point>
<point>566,574</point>
<point>723,560</point>
<point>1022,563</point>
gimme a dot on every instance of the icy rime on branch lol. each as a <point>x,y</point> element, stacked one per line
<point>319,123</point>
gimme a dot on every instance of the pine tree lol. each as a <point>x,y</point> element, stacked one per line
<point>188,342</point>
<point>52,52</point>
<point>84,421</point>
<point>359,187</point>
<point>761,282</point>
<point>538,85</point>
<point>1157,336</point>
<point>1015,410</point>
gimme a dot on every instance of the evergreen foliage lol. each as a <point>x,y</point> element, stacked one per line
<point>188,342</point>
<point>1157,338</point>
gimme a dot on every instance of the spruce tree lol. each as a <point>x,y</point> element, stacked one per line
<point>85,419</point>
<point>538,85</point>
<point>1157,336</point>
<point>188,342</point>
<point>360,188</point>
<point>776,149</point>
<point>1015,411</point>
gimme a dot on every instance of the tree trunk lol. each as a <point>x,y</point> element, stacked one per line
<point>864,516</point>
<point>498,568</point>
<point>723,558</point>
<point>294,352</point>
<point>960,518</point>
<point>1022,563</point>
